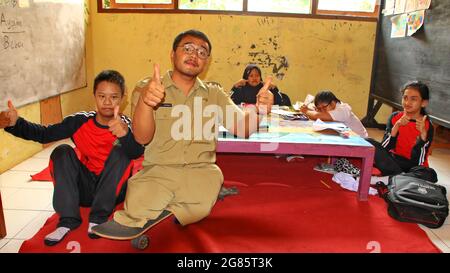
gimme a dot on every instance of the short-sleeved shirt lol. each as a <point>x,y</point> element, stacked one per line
<point>186,127</point>
<point>343,113</point>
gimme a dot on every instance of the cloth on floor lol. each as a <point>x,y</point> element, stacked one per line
<point>343,165</point>
<point>348,182</point>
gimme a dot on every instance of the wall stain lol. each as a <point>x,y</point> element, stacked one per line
<point>264,54</point>
<point>265,21</point>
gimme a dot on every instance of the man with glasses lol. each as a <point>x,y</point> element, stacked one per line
<point>180,175</point>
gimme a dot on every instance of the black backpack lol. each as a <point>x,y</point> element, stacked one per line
<point>411,199</point>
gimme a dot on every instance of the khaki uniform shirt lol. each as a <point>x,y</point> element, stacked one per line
<point>186,127</point>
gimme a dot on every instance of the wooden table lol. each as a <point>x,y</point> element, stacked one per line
<point>298,138</point>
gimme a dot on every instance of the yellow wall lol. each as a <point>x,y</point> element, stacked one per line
<point>320,54</point>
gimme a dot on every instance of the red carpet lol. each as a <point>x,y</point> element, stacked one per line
<point>282,207</point>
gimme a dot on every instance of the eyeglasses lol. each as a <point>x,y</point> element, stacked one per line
<point>322,107</point>
<point>202,52</point>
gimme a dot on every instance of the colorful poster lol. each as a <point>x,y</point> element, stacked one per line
<point>399,23</point>
<point>400,6</point>
<point>411,5</point>
<point>389,7</point>
<point>415,21</point>
<point>423,4</point>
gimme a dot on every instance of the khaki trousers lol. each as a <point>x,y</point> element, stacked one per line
<point>188,191</point>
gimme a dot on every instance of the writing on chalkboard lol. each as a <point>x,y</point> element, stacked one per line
<point>11,28</point>
<point>8,3</point>
<point>42,47</point>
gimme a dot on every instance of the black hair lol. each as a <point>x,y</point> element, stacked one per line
<point>423,89</point>
<point>325,97</point>
<point>194,33</point>
<point>110,76</point>
<point>249,69</point>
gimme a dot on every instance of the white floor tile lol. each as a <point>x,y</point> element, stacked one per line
<point>50,207</point>
<point>29,199</point>
<point>7,193</point>
<point>34,226</point>
<point>10,179</point>
<point>22,179</point>
<point>3,242</point>
<point>444,234</point>
<point>436,240</point>
<point>16,220</point>
<point>31,165</point>
<point>12,246</point>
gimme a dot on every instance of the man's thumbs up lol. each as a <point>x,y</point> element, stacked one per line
<point>155,92</point>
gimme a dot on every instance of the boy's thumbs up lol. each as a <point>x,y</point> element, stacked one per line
<point>11,106</point>
<point>116,112</point>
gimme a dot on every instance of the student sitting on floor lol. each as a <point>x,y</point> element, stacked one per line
<point>330,108</point>
<point>246,89</point>
<point>408,134</point>
<point>107,146</point>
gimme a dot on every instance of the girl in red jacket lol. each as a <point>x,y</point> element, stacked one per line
<point>408,134</point>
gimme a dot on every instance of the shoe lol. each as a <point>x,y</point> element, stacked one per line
<point>343,165</point>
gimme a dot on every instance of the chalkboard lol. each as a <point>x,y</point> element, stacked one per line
<point>424,56</point>
<point>42,49</point>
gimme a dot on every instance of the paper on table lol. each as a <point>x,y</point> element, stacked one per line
<point>319,125</point>
<point>309,99</point>
<point>290,115</point>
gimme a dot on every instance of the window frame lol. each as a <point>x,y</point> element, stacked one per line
<point>173,8</point>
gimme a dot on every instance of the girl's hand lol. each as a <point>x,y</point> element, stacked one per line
<point>240,83</point>
<point>420,126</point>
<point>402,121</point>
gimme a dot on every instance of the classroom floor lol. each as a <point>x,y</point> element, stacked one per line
<point>27,205</point>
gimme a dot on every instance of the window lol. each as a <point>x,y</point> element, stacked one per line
<point>347,5</point>
<point>352,8</point>
<point>368,8</point>
<point>139,4</point>
<point>285,6</point>
<point>235,5</point>
<point>144,1</point>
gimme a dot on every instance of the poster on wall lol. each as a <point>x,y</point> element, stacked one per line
<point>400,6</point>
<point>399,23</point>
<point>411,5</point>
<point>423,4</point>
<point>415,21</point>
<point>389,7</point>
